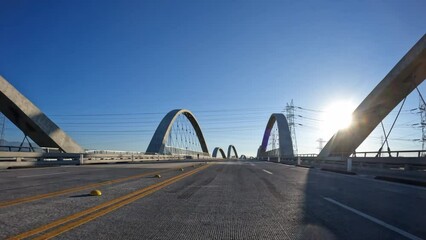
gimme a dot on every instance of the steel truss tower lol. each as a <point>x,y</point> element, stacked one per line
<point>422,108</point>
<point>291,125</point>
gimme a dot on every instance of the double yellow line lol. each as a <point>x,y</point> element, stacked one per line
<point>77,219</point>
<point>76,189</point>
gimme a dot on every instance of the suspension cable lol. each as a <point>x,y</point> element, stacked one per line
<point>421,96</point>
<point>393,124</point>
<point>387,142</point>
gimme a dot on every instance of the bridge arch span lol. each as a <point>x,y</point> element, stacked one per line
<point>231,147</point>
<point>285,142</point>
<point>159,139</point>
<point>218,149</point>
<point>407,74</point>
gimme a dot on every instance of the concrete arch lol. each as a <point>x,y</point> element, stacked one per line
<point>231,147</point>
<point>32,121</point>
<point>243,157</point>
<point>407,74</point>
<point>285,142</point>
<point>218,149</point>
<point>158,141</point>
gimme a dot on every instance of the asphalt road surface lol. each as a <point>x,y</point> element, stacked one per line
<point>228,200</point>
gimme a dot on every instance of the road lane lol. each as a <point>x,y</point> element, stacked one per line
<point>23,217</point>
<point>68,223</point>
<point>397,204</point>
<point>375,220</point>
<point>14,183</point>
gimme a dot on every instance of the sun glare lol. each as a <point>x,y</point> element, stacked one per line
<point>337,116</point>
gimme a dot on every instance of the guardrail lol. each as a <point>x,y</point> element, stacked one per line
<point>15,148</point>
<point>402,153</point>
<point>10,159</point>
<point>357,163</point>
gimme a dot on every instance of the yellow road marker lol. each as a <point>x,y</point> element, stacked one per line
<point>95,193</point>
<point>104,208</point>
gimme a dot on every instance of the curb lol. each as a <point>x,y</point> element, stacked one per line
<point>338,171</point>
<point>401,180</point>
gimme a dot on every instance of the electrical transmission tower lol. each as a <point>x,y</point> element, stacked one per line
<point>320,144</point>
<point>422,108</point>
<point>292,126</point>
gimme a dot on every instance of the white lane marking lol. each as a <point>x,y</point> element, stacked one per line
<point>375,220</point>
<point>267,171</point>
<point>38,175</point>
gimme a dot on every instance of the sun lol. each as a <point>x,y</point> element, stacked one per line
<point>337,116</point>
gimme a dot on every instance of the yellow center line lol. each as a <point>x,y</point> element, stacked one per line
<point>104,209</point>
<point>76,189</point>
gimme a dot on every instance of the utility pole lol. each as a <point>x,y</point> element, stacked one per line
<point>2,127</point>
<point>291,125</point>
<point>320,143</point>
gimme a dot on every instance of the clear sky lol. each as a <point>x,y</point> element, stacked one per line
<point>232,63</point>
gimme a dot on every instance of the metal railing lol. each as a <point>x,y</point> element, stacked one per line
<point>91,157</point>
<point>400,153</point>
<point>417,161</point>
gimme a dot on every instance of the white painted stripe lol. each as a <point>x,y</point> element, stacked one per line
<point>267,171</point>
<point>375,220</point>
<point>38,175</point>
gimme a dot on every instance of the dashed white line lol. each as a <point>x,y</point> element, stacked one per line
<point>375,220</point>
<point>267,171</point>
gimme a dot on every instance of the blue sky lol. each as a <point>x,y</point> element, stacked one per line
<point>232,63</point>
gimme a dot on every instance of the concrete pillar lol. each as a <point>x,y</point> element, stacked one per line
<point>268,159</point>
<point>133,158</point>
<point>298,160</point>
<point>81,159</point>
<point>279,159</point>
<point>349,165</point>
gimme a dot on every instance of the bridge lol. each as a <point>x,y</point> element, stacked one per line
<point>176,189</point>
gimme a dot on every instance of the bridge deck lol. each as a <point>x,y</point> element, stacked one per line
<point>228,200</point>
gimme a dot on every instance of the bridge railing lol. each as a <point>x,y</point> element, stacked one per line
<point>402,153</point>
<point>14,148</point>
<point>92,157</point>
<point>353,163</point>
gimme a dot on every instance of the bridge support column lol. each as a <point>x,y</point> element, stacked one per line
<point>349,165</point>
<point>298,160</point>
<point>279,159</point>
<point>81,159</point>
